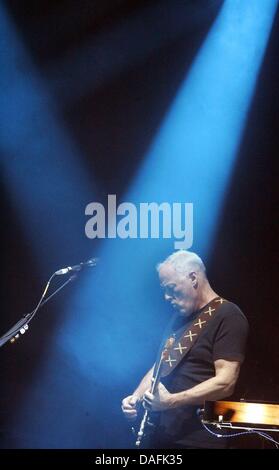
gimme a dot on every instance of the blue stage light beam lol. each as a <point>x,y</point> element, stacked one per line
<point>41,165</point>
<point>117,317</point>
<point>191,160</point>
<point>193,154</point>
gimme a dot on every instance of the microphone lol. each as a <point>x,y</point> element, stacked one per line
<point>89,264</point>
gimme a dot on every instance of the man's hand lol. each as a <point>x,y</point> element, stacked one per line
<point>129,407</point>
<point>161,400</point>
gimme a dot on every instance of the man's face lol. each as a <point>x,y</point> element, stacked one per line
<point>179,289</point>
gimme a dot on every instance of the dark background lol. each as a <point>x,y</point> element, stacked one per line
<point>112,125</point>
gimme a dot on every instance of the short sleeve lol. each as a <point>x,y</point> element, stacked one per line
<point>231,337</point>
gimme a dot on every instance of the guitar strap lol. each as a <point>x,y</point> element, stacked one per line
<point>180,347</point>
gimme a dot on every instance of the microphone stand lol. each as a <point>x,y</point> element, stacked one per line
<point>22,325</point>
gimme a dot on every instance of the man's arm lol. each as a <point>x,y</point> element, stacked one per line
<point>216,388</point>
<point>144,385</point>
<point>129,404</point>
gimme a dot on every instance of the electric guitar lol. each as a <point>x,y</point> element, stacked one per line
<point>146,425</point>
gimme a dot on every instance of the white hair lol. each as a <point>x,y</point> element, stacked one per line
<point>184,262</point>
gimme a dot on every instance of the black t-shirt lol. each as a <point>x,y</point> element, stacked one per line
<point>223,338</point>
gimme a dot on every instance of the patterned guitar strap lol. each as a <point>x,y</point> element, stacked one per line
<point>181,346</point>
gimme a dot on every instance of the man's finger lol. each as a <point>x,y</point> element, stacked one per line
<point>133,401</point>
<point>128,406</point>
<point>148,396</point>
<point>130,412</point>
<point>129,402</point>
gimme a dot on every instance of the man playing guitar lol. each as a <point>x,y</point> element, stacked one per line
<point>203,360</point>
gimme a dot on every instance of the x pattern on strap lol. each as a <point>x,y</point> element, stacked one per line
<point>191,335</point>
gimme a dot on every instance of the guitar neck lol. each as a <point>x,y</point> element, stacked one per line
<point>158,366</point>
<point>156,377</point>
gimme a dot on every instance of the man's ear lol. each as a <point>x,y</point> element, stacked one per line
<point>194,278</point>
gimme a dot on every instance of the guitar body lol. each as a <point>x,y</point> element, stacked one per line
<point>147,424</point>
